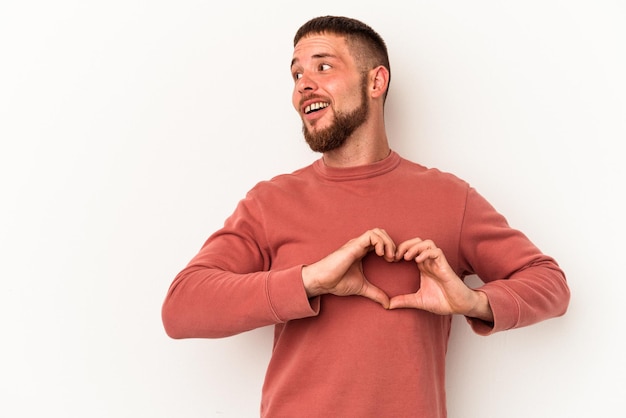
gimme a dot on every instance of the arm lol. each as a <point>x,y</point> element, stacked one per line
<point>523,286</point>
<point>228,287</point>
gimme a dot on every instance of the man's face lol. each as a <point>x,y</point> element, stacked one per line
<point>330,92</point>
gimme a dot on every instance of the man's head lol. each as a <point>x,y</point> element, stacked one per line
<point>366,45</point>
<point>339,65</point>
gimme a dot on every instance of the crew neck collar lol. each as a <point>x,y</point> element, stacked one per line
<point>357,172</point>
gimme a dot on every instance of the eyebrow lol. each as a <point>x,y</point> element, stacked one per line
<point>315,56</point>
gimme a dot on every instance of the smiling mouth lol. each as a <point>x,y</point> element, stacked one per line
<point>314,107</point>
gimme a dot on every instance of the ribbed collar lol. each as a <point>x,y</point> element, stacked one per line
<point>359,172</point>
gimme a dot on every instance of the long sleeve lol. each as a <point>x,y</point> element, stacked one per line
<point>228,287</point>
<point>523,285</point>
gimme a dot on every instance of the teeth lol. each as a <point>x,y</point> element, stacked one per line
<point>315,106</point>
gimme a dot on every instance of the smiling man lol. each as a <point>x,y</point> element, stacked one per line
<point>321,93</point>
<point>358,260</point>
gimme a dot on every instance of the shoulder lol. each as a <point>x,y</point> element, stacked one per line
<point>432,176</point>
<point>281,183</point>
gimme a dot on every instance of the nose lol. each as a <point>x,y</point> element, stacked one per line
<point>305,83</point>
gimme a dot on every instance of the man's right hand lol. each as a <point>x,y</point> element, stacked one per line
<point>341,273</point>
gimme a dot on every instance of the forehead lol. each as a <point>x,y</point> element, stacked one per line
<point>320,46</point>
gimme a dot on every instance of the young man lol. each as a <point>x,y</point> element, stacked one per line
<point>358,260</point>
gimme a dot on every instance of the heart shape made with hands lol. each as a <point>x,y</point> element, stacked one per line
<point>392,277</point>
<point>421,278</point>
<point>415,274</point>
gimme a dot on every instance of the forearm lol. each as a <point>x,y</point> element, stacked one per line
<point>211,303</point>
<point>534,294</point>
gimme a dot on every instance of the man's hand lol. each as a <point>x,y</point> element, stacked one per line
<point>441,290</point>
<point>341,273</point>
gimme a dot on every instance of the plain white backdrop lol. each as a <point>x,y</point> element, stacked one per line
<point>130,129</point>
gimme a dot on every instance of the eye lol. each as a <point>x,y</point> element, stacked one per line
<point>324,67</point>
<point>297,76</point>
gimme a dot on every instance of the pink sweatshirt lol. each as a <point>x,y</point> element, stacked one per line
<point>348,356</point>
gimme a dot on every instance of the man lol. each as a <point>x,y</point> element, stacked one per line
<point>358,260</point>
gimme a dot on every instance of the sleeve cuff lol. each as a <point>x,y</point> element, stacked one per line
<point>287,297</point>
<point>505,310</point>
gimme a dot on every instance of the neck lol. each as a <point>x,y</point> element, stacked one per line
<point>358,152</point>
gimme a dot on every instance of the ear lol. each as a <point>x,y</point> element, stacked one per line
<point>379,81</point>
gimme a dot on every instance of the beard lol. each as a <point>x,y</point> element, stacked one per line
<point>341,128</point>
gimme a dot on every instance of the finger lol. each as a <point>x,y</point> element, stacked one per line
<point>422,251</point>
<point>410,249</point>
<point>429,253</point>
<point>383,244</point>
<point>403,301</point>
<point>374,293</point>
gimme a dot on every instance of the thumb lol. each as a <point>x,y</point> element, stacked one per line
<point>403,301</point>
<point>374,293</point>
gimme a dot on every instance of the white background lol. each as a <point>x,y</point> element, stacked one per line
<point>130,129</point>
